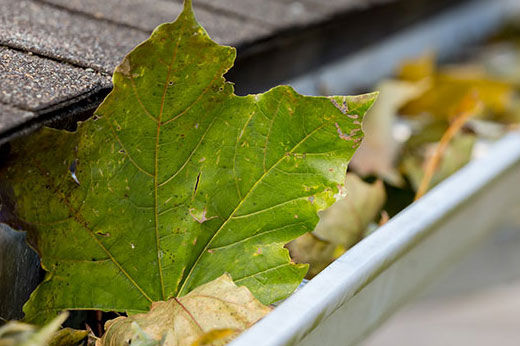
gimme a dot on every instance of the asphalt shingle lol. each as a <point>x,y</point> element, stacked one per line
<point>146,15</point>
<point>278,14</point>
<point>34,83</point>
<point>65,36</point>
<point>11,117</point>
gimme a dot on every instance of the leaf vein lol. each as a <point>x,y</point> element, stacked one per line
<point>189,156</point>
<point>139,168</point>
<point>263,271</point>
<point>186,278</point>
<point>134,88</point>
<point>156,167</point>
<point>235,177</point>
<point>76,216</point>
<point>255,236</point>
<point>270,129</point>
<point>242,216</point>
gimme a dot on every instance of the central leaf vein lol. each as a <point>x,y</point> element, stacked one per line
<point>156,169</point>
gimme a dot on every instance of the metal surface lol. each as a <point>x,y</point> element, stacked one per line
<point>358,291</point>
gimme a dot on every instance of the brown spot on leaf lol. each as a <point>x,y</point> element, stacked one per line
<point>200,217</point>
<point>103,234</point>
<point>124,68</point>
<point>343,108</point>
<point>341,134</point>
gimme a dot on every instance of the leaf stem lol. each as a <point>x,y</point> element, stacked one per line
<point>468,107</point>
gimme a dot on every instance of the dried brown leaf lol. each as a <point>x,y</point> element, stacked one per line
<point>341,226</point>
<point>312,250</point>
<point>197,317</point>
<point>345,222</point>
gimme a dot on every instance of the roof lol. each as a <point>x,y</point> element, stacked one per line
<point>57,56</point>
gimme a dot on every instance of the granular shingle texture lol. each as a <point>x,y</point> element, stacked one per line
<point>65,36</point>
<point>146,15</point>
<point>34,83</point>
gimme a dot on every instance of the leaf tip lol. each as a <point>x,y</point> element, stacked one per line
<point>364,102</point>
<point>188,6</point>
<point>371,97</point>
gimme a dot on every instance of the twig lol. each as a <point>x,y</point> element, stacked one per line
<point>99,322</point>
<point>469,106</point>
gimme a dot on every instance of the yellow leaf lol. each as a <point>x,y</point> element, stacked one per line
<point>414,70</point>
<point>448,91</point>
<point>216,337</point>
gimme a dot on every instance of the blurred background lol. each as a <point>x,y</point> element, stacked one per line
<point>475,302</point>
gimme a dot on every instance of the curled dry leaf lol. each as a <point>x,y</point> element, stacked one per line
<point>449,87</point>
<point>434,161</point>
<point>312,250</point>
<point>211,314</point>
<point>470,106</point>
<point>457,154</point>
<point>346,220</point>
<point>380,148</point>
<point>491,76</point>
<point>448,90</point>
<point>342,225</point>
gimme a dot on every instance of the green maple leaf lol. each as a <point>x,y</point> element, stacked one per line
<point>177,181</point>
